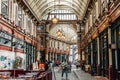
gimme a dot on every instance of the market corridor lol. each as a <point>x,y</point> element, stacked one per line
<point>75,74</point>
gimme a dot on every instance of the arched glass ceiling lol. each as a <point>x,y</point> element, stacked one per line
<point>42,7</point>
<point>58,8</point>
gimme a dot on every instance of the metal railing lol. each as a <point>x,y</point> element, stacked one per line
<point>47,75</point>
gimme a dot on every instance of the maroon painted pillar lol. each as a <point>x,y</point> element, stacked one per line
<point>98,69</point>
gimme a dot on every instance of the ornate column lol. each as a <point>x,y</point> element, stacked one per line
<point>79,41</point>
<point>110,54</point>
<point>46,45</point>
<point>98,65</point>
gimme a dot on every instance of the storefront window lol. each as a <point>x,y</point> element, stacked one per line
<point>118,32</point>
<point>5,38</point>
<point>104,55</point>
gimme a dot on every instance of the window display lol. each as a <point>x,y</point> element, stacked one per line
<point>9,61</point>
<point>6,60</point>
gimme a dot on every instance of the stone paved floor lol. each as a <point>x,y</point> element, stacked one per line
<point>71,76</point>
<point>76,74</point>
<point>84,76</point>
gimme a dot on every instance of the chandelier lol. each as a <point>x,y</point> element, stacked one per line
<point>60,34</point>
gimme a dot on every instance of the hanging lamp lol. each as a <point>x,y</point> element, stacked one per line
<point>55,19</point>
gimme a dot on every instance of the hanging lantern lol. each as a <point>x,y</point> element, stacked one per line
<point>55,20</point>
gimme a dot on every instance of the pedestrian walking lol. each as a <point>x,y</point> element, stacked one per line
<point>64,69</point>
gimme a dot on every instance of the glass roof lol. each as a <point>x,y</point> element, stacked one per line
<point>61,15</point>
<point>63,10</point>
<point>43,7</point>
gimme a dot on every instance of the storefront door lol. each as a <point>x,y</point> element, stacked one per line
<point>95,57</point>
<point>115,34</point>
<point>104,57</point>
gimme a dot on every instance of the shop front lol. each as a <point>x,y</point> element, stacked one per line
<point>115,36</point>
<point>104,55</point>
<point>94,57</point>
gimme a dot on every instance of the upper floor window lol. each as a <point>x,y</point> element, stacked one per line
<point>10,9</point>
<point>102,6</point>
<point>19,17</point>
<point>94,14</point>
<point>29,25</point>
<point>4,8</point>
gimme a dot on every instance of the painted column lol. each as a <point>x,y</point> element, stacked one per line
<point>55,56</point>
<point>61,57</point>
<point>97,9</point>
<point>98,52</point>
<point>14,5</point>
<point>79,46</point>
<point>91,54</point>
<point>46,56</point>
<point>46,46</point>
<point>110,54</point>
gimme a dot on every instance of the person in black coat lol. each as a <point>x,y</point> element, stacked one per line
<point>46,65</point>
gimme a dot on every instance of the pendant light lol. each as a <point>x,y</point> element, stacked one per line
<point>55,19</point>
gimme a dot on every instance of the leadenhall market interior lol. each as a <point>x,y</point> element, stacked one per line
<point>37,33</point>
